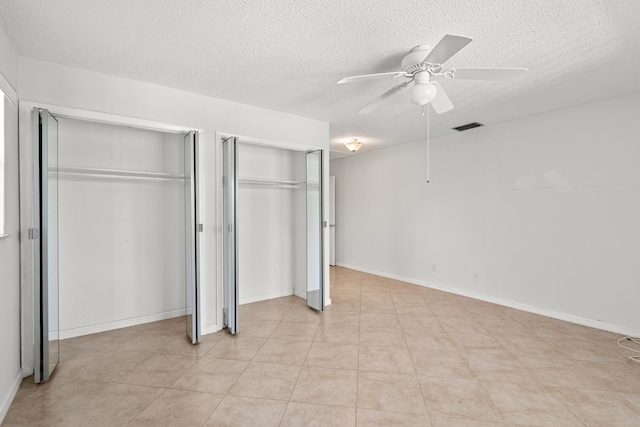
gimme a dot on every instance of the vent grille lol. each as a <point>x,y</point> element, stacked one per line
<point>468,126</point>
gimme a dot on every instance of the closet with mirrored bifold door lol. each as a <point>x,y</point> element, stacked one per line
<point>116,230</point>
<point>273,225</point>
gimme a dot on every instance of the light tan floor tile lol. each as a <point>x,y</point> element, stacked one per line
<point>302,315</point>
<point>557,372</point>
<point>329,355</point>
<point>460,422</point>
<point>283,351</point>
<point>416,309</point>
<point>211,375</point>
<point>389,392</point>
<point>529,404</point>
<point>372,418</point>
<point>180,408</point>
<point>462,325</point>
<point>621,377</point>
<point>186,348</point>
<point>236,411</point>
<point>375,288</point>
<point>422,322</point>
<point>340,304</point>
<point>449,397</point>
<point>377,306</point>
<point>330,333</point>
<point>258,328</point>
<point>340,318</point>
<point>206,383</point>
<point>267,380</point>
<point>446,310</point>
<point>430,340</point>
<point>84,403</point>
<point>379,320</point>
<point>633,398</point>
<point>431,363</point>
<point>580,349</point>
<point>395,360</point>
<point>160,370</point>
<point>477,341</point>
<point>500,327</point>
<point>326,386</point>
<point>528,346</point>
<point>236,347</point>
<point>594,407</point>
<point>385,337</point>
<point>408,298</point>
<point>295,331</point>
<point>309,415</point>
<point>107,365</point>
<point>499,368</point>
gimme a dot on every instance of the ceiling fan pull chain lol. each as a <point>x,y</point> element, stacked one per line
<point>428,146</point>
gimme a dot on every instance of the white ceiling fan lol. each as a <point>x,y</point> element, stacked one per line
<point>422,63</point>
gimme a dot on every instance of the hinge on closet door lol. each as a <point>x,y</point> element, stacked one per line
<point>200,228</point>
<point>34,233</point>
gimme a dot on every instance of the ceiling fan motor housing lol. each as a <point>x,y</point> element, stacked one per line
<point>413,60</point>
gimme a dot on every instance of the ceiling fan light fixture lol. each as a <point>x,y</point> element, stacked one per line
<point>353,145</point>
<point>422,93</point>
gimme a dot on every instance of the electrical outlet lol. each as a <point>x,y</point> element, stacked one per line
<point>476,277</point>
<point>433,268</point>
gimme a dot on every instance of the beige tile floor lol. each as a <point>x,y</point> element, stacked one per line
<point>384,353</point>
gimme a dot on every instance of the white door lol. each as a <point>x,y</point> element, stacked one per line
<point>192,236</point>
<point>315,225</point>
<point>230,235</point>
<point>45,236</point>
<point>332,220</point>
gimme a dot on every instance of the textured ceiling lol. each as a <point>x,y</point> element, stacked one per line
<point>287,55</point>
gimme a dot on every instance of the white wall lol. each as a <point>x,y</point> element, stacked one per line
<point>545,210</point>
<point>55,85</point>
<point>269,218</point>
<point>121,249</point>
<point>10,374</point>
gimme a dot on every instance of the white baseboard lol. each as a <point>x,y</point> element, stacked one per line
<point>8,399</point>
<point>597,324</point>
<point>117,324</point>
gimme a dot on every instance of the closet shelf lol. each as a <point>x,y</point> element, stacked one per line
<point>98,174</point>
<point>270,182</point>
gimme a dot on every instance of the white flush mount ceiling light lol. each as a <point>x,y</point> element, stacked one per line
<point>353,145</point>
<point>423,91</point>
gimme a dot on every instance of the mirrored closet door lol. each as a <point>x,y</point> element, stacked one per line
<point>45,237</point>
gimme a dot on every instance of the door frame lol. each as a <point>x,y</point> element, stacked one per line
<point>26,153</point>
<point>264,142</point>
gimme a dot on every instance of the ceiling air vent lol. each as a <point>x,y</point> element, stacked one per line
<point>468,126</point>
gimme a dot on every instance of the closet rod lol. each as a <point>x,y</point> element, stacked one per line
<point>75,173</point>
<point>269,182</point>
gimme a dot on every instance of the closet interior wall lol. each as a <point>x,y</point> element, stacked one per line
<point>271,208</point>
<point>122,232</point>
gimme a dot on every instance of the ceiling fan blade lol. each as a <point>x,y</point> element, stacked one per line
<point>441,103</point>
<point>496,74</point>
<point>371,77</point>
<point>446,48</point>
<point>382,98</point>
